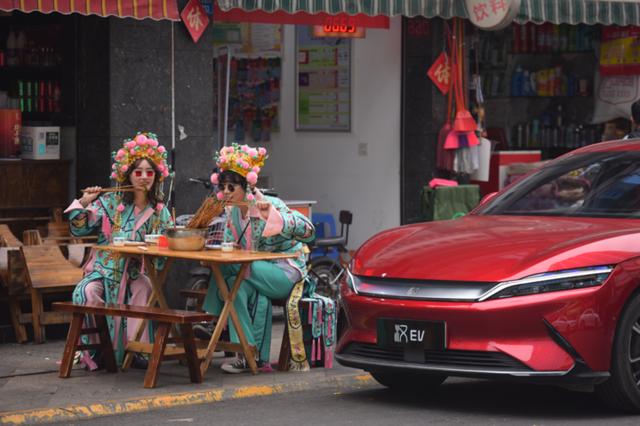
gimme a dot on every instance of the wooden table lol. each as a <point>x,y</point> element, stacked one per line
<point>213,259</point>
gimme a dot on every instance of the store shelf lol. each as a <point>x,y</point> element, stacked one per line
<point>577,52</point>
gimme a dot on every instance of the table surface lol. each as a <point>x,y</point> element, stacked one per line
<point>216,255</point>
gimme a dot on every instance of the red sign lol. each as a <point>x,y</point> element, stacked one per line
<point>195,19</point>
<point>440,73</point>
<point>620,51</point>
<point>298,18</point>
<point>343,26</point>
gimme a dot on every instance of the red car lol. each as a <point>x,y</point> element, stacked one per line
<point>540,282</point>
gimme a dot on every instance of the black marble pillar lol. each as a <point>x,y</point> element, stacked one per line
<point>423,110</point>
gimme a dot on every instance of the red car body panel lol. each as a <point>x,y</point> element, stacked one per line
<point>497,248</point>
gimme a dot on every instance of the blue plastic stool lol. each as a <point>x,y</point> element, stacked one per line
<point>322,221</point>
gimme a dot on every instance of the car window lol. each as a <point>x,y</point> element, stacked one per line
<point>594,184</point>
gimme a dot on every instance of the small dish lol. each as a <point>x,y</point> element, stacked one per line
<point>134,243</point>
<point>213,246</point>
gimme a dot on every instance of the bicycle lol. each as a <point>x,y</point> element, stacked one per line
<point>326,270</point>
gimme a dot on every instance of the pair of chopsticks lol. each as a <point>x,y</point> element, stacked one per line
<point>126,188</point>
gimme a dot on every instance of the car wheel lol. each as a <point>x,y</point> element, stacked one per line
<point>326,272</point>
<point>408,382</point>
<point>622,390</point>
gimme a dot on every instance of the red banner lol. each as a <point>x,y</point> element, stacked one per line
<point>300,18</point>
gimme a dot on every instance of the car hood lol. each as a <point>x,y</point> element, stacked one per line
<point>496,248</point>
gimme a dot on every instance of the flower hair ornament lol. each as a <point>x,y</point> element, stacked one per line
<point>143,145</point>
<point>243,160</point>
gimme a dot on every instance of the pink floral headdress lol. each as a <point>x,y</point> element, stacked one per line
<point>143,145</point>
<point>243,160</point>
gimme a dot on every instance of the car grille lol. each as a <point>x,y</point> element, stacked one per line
<point>446,358</point>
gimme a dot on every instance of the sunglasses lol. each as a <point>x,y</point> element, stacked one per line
<point>228,186</point>
<point>148,173</point>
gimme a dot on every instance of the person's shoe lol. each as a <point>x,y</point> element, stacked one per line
<point>203,330</point>
<point>240,365</point>
<point>139,362</point>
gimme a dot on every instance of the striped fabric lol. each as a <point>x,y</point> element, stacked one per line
<point>138,9</point>
<point>538,11</point>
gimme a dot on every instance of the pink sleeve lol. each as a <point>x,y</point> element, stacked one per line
<point>76,205</point>
<point>275,223</point>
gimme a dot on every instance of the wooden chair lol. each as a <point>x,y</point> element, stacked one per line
<point>32,237</point>
<point>164,318</point>
<point>12,278</point>
<point>47,272</point>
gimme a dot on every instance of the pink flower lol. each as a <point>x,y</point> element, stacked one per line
<point>152,142</point>
<point>124,168</point>
<point>250,197</point>
<point>161,167</point>
<point>121,153</point>
<point>132,151</point>
<point>245,148</point>
<point>161,149</point>
<point>159,207</point>
<point>222,159</point>
<point>256,169</point>
<point>214,178</point>
<point>130,144</point>
<point>114,175</point>
<point>252,178</point>
<point>165,173</point>
<point>150,151</point>
<point>253,152</point>
<point>262,151</point>
<point>120,207</point>
<point>140,139</point>
<point>113,167</point>
<point>220,196</point>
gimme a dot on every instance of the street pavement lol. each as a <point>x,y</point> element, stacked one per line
<point>31,392</point>
<point>457,402</point>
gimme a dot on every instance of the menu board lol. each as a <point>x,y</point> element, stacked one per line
<point>323,82</point>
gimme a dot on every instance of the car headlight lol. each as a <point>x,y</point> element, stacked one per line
<point>550,281</point>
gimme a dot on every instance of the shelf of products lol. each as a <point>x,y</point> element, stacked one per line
<point>549,71</point>
<point>35,72</point>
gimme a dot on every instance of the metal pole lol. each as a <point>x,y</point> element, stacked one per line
<point>173,115</point>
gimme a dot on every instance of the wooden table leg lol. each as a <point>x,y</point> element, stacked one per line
<point>70,346</point>
<point>105,344</point>
<point>157,296</point>
<point>151,377</point>
<point>190,351</point>
<point>228,310</point>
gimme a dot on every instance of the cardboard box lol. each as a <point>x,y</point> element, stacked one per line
<point>40,143</point>
<point>10,128</point>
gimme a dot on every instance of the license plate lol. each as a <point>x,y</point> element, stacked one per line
<point>412,333</point>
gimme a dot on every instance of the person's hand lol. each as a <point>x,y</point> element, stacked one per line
<point>264,207</point>
<point>89,195</point>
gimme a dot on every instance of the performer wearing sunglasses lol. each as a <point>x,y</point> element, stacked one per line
<point>140,166</point>
<point>264,224</point>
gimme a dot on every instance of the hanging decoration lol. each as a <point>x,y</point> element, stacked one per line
<point>195,19</point>
<point>440,73</point>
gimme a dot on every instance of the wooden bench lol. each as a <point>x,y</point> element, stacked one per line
<point>47,272</point>
<point>12,278</point>
<point>164,319</point>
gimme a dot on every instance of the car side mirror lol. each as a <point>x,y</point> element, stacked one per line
<point>487,198</point>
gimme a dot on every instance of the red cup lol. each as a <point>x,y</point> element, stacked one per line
<point>163,242</point>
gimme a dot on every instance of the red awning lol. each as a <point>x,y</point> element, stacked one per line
<point>138,9</point>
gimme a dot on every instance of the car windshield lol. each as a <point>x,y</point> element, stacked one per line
<point>594,184</point>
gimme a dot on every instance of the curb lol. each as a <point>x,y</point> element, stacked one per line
<point>137,405</point>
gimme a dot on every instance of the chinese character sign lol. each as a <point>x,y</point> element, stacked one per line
<point>492,14</point>
<point>195,19</point>
<point>440,73</point>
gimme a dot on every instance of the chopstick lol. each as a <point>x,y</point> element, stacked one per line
<point>126,188</point>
